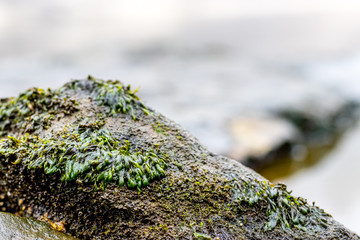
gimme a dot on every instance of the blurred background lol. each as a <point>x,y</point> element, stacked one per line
<point>273,84</point>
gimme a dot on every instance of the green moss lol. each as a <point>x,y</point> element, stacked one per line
<point>200,236</point>
<point>32,110</point>
<point>160,128</point>
<point>202,203</point>
<point>87,153</point>
<point>281,207</point>
<point>111,94</point>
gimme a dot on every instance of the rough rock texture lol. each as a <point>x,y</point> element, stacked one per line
<point>109,167</point>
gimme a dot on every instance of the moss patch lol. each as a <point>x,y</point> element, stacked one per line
<point>282,209</point>
<point>88,153</point>
<point>206,202</point>
<point>33,110</point>
<point>116,97</point>
<point>160,128</point>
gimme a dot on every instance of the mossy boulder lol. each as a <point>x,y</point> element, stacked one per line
<point>93,156</point>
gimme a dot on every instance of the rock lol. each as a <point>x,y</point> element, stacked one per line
<point>256,136</point>
<point>320,125</point>
<point>18,228</point>
<point>93,156</point>
<point>294,133</point>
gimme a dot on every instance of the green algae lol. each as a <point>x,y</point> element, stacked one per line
<point>280,206</point>
<point>111,94</point>
<point>160,128</point>
<point>87,153</point>
<point>208,197</point>
<point>34,109</point>
<point>200,236</point>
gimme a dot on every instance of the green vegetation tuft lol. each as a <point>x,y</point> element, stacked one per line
<point>200,236</point>
<point>111,94</point>
<point>88,153</point>
<point>32,110</point>
<point>281,207</point>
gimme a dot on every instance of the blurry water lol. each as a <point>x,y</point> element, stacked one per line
<point>333,183</point>
<point>202,66</point>
<point>341,74</point>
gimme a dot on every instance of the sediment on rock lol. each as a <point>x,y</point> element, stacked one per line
<point>110,167</point>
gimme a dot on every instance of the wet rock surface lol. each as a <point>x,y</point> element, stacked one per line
<point>113,168</point>
<point>19,228</point>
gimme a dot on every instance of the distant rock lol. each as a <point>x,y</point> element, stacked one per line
<point>256,136</point>
<point>290,133</point>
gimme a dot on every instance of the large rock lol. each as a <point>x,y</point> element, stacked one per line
<point>92,155</point>
<point>301,134</point>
